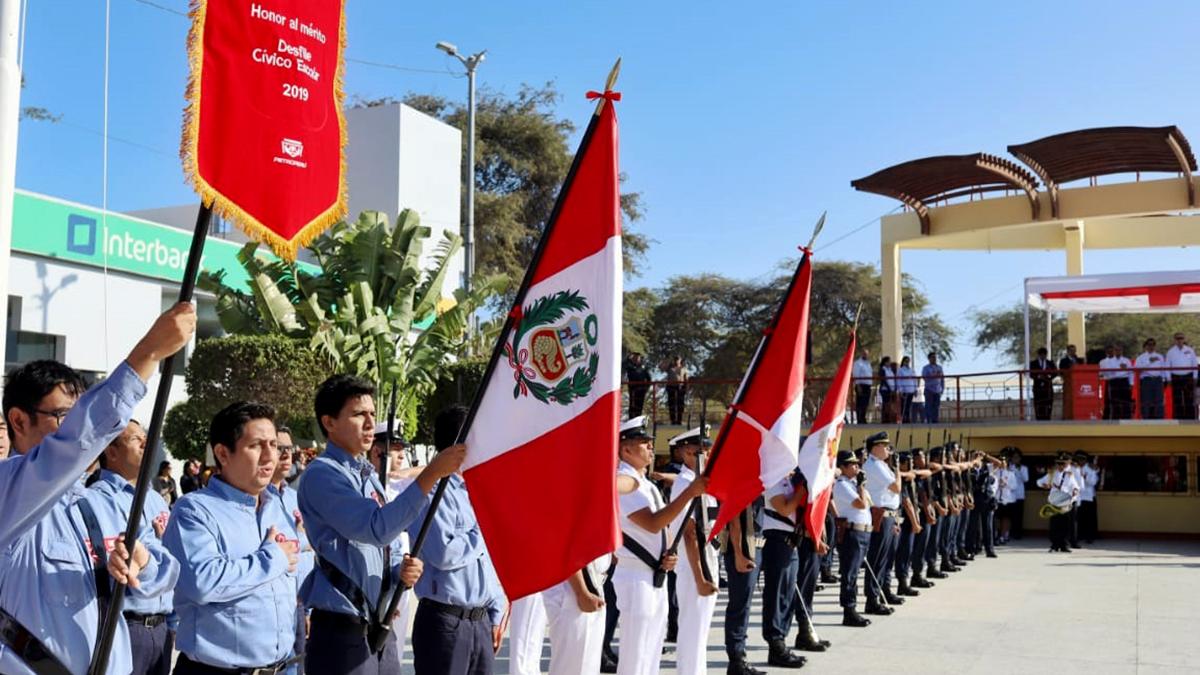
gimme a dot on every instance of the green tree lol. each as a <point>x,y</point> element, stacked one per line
<point>521,159</point>
<point>1004,331</point>
<point>273,369</point>
<point>371,312</point>
<point>637,333</point>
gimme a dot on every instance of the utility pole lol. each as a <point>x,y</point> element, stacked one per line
<point>10,114</point>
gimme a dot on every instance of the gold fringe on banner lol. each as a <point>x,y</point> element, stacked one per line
<point>190,144</point>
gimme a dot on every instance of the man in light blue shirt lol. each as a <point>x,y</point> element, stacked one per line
<point>935,384</point>
<point>883,486</point>
<point>146,609</point>
<point>49,612</point>
<point>238,555</point>
<point>353,531</point>
<point>286,494</point>
<point>457,627</point>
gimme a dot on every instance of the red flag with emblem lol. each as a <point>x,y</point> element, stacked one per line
<point>818,455</point>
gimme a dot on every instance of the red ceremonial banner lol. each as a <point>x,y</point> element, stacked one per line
<point>263,134</point>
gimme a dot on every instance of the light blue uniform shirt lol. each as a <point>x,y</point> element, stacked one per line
<point>289,498</point>
<point>458,570</point>
<point>348,524</point>
<point>113,495</point>
<point>46,574</point>
<point>235,598</point>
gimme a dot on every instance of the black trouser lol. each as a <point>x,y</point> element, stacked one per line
<point>1122,398</point>
<point>1088,522</point>
<point>611,614</point>
<point>987,527</point>
<point>1043,399</point>
<point>807,573</point>
<point>830,529</point>
<point>851,552</point>
<point>445,644</point>
<point>903,562</point>
<point>920,541</point>
<point>152,648</point>
<point>675,403</point>
<point>637,399</point>
<point>862,401</point>
<point>906,406</point>
<point>1017,528</point>
<point>737,611</point>
<point>933,542</point>
<point>1183,397</point>
<point>338,644</point>
<point>1073,526</point>
<point>780,566</point>
<point>879,558</point>
<point>1150,396</point>
<point>1059,525</point>
<point>974,523</point>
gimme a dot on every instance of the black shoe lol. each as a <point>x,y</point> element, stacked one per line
<point>779,655</point>
<point>907,590</point>
<point>991,554</point>
<point>919,581</point>
<point>738,666</point>
<point>935,574</point>
<point>877,609</point>
<point>853,619</point>
<point>819,588</point>
<point>947,567</point>
<point>829,578</point>
<point>608,664</point>
<point>958,562</point>
<point>893,600</point>
<point>1065,549</point>
<point>672,634</point>
<point>807,641</point>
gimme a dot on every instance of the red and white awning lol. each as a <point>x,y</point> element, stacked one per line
<point>1133,292</point>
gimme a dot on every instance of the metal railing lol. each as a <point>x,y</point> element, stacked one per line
<point>991,396</point>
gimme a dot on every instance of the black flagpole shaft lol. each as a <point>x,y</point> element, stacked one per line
<point>753,369</point>
<point>494,360</point>
<point>186,289</point>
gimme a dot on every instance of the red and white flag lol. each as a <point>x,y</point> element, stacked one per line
<point>541,451</point>
<point>818,455</point>
<point>760,437</point>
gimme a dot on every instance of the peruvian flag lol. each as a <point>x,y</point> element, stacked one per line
<point>760,438</point>
<point>818,455</point>
<point>542,444</point>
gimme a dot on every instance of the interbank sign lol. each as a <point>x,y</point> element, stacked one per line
<point>57,229</point>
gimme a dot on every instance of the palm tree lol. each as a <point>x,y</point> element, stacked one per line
<point>372,311</point>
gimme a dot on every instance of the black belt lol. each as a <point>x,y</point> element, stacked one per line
<point>29,648</point>
<point>147,620</point>
<point>469,613</point>
<point>277,667</point>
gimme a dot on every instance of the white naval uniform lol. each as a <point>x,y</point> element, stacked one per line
<point>576,637</point>
<point>526,632</point>
<point>394,487</point>
<point>695,611</point>
<point>643,607</point>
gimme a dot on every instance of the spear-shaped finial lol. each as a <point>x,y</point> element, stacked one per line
<point>857,314</point>
<point>816,231</point>
<point>607,94</point>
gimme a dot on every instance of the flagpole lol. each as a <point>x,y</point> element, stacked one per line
<point>768,333</point>
<point>376,638</point>
<point>165,376</point>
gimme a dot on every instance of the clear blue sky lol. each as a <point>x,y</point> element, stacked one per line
<point>738,125</point>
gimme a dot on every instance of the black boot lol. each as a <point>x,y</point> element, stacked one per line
<point>853,619</point>
<point>877,608</point>
<point>807,640</point>
<point>829,577</point>
<point>738,666</point>
<point>779,655</point>
<point>893,600</point>
<point>934,573</point>
<point>906,589</point>
<point>608,662</point>
<point>919,581</point>
<point>947,567</point>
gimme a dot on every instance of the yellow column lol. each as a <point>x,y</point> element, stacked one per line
<point>892,308</point>
<point>1076,333</point>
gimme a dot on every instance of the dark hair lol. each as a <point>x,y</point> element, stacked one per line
<point>333,394</point>
<point>932,354</point>
<point>447,425</point>
<point>26,386</point>
<point>283,429</point>
<point>163,465</point>
<point>228,424</point>
<point>1041,350</point>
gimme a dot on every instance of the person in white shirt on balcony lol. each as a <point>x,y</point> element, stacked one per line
<point>863,377</point>
<point>1150,380</point>
<point>1182,360</point>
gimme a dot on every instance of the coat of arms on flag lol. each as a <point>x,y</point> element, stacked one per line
<point>553,350</point>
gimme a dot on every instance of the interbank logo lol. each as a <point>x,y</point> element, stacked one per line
<point>291,147</point>
<point>81,234</point>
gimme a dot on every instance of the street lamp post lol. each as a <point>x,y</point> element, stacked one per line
<point>470,63</point>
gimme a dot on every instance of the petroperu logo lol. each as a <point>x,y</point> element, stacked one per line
<point>292,149</point>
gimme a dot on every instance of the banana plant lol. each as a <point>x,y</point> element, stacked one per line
<point>372,311</point>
